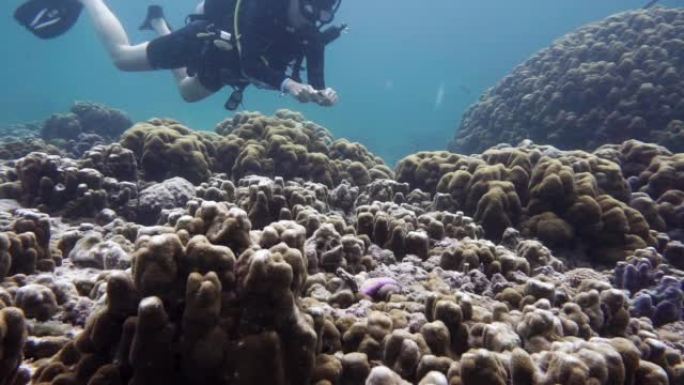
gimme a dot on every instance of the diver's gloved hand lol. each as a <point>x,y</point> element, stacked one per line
<point>326,98</point>
<point>304,93</point>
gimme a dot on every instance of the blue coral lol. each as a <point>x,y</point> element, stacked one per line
<point>634,276</point>
<point>663,304</point>
<point>642,306</point>
<point>655,295</point>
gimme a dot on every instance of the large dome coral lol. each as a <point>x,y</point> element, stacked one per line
<point>617,79</point>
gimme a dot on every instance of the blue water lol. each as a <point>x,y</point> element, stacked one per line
<point>405,73</point>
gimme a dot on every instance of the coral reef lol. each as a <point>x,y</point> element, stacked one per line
<point>25,246</point>
<point>607,82</point>
<point>284,145</point>
<point>112,160</point>
<point>17,147</point>
<point>270,253</point>
<point>169,194</point>
<point>165,149</point>
<point>208,296</point>
<point>12,340</point>
<point>86,118</point>
<point>52,183</point>
<point>656,176</point>
<point>567,199</point>
<point>82,143</point>
<point>287,145</point>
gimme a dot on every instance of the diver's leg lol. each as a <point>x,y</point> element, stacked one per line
<point>125,56</point>
<point>162,29</point>
<point>160,26</point>
<point>190,88</point>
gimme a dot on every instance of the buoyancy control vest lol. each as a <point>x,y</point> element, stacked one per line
<point>222,17</point>
<point>219,49</point>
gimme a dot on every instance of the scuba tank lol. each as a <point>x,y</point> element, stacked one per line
<point>221,13</point>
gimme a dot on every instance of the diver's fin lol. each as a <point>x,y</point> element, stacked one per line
<point>153,12</point>
<point>48,19</point>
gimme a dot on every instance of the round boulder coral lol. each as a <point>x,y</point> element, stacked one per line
<point>617,79</point>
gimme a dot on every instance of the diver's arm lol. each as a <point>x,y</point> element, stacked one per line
<point>125,56</point>
<point>315,64</point>
<point>190,88</point>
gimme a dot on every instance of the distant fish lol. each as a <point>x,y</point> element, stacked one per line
<point>439,99</point>
<point>650,4</point>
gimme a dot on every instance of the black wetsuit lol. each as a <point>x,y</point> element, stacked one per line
<point>264,47</point>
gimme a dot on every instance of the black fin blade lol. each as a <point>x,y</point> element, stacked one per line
<point>48,19</point>
<point>153,12</point>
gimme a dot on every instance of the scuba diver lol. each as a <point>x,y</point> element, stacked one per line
<point>224,43</point>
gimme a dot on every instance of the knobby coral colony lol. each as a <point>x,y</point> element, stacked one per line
<point>270,253</point>
<point>73,133</point>
<point>621,78</point>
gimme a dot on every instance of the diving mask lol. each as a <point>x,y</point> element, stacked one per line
<point>320,12</point>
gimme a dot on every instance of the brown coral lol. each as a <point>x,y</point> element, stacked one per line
<point>166,149</point>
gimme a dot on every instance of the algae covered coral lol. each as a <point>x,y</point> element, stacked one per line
<point>270,253</point>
